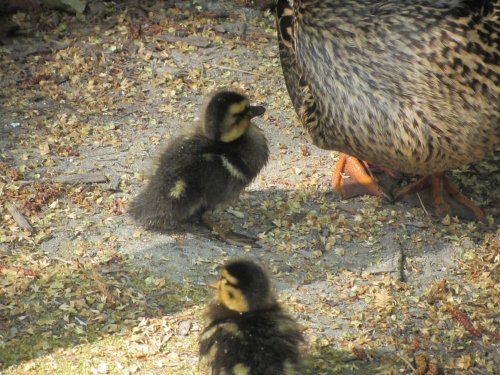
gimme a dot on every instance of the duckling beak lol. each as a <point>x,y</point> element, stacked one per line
<point>256,110</point>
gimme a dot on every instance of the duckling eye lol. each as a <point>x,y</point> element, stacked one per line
<point>241,115</point>
<point>230,295</point>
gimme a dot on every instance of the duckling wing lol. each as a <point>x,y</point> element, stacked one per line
<point>164,201</point>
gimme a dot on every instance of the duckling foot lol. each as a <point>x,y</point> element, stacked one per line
<point>229,236</point>
<point>439,184</point>
<point>352,177</point>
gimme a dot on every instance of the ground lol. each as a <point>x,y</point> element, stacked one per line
<point>88,101</point>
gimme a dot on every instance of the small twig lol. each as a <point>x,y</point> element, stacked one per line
<point>422,362</point>
<point>382,272</point>
<point>115,270</point>
<point>63,260</point>
<point>234,69</point>
<point>345,209</point>
<point>415,225</point>
<point>486,331</point>
<point>422,204</point>
<point>401,262</point>
<point>103,288</point>
<point>464,321</point>
<point>19,218</point>
<point>21,270</point>
<point>408,363</point>
<point>84,178</point>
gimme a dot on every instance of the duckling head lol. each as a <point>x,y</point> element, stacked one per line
<point>244,287</point>
<point>228,115</point>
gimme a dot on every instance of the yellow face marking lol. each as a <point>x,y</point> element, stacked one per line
<point>226,275</point>
<point>241,369</point>
<point>236,131</point>
<point>179,189</point>
<point>237,108</point>
<point>232,169</point>
<point>232,297</point>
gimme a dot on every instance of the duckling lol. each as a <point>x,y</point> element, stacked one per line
<point>206,168</point>
<point>248,332</point>
<point>411,86</point>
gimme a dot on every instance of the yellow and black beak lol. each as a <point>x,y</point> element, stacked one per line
<point>255,110</point>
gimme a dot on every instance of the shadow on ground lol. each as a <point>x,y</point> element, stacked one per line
<point>49,303</point>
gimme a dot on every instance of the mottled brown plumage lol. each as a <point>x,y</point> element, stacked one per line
<point>410,85</point>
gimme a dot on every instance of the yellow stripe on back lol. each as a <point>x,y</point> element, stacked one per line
<point>208,333</point>
<point>232,169</point>
<point>288,368</point>
<point>231,328</point>
<point>241,369</point>
<point>179,189</point>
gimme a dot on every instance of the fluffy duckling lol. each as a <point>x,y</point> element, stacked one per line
<point>206,168</point>
<point>248,332</point>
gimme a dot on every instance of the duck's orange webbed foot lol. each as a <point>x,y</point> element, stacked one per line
<point>439,184</point>
<point>352,177</point>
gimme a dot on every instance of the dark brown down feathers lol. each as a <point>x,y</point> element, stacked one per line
<point>248,333</point>
<point>205,168</point>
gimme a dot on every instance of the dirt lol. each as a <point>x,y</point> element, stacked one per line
<point>355,273</point>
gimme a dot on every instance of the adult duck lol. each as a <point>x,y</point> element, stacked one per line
<point>408,85</point>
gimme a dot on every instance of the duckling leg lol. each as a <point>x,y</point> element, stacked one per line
<point>352,177</point>
<point>439,184</point>
<point>229,236</point>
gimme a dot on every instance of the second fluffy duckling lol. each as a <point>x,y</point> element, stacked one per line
<point>206,168</point>
<point>248,332</point>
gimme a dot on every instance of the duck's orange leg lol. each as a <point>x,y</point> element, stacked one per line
<point>439,184</point>
<point>352,177</point>
<point>467,202</point>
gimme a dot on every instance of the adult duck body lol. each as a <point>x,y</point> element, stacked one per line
<point>408,85</point>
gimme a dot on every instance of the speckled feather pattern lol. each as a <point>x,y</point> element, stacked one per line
<point>408,85</point>
<point>193,177</point>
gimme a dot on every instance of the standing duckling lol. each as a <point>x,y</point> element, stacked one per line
<point>248,332</point>
<point>206,168</point>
